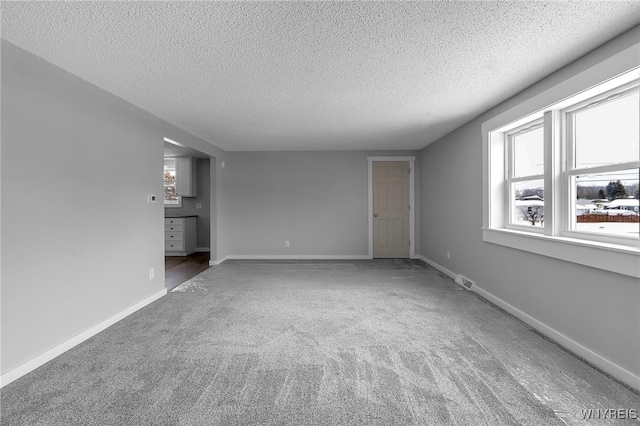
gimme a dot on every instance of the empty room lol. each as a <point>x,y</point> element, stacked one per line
<point>320,213</point>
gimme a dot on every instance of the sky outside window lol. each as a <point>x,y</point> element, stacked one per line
<point>528,152</point>
<point>608,133</point>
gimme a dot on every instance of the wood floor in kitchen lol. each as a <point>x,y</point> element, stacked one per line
<point>178,269</point>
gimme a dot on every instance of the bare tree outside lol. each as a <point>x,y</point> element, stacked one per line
<point>532,214</point>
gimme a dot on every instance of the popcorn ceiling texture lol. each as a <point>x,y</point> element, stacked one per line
<point>314,75</point>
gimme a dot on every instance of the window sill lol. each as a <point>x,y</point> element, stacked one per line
<point>177,205</point>
<point>609,257</point>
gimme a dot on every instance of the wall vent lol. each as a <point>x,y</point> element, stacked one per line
<point>464,281</point>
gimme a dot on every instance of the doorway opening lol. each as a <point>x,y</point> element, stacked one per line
<point>187,223</point>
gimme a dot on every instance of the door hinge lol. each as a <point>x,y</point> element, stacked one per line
<point>409,243</point>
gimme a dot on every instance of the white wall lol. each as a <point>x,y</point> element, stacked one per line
<point>316,200</point>
<point>78,237</point>
<point>594,308</point>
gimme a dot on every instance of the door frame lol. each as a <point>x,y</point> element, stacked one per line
<point>412,209</point>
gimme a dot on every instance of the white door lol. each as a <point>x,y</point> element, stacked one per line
<point>390,209</point>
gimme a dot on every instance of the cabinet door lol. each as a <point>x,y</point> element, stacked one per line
<point>186,176</point>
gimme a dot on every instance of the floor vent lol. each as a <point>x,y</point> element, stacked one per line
<point>464,281</point>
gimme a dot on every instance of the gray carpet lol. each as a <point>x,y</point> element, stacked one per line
<point>304,343</point>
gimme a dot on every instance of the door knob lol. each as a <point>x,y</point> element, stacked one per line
<point>375,215</point>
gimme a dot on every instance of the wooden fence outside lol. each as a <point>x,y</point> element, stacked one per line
<point>592,218</point>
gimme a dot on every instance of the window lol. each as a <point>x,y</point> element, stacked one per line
<point>525,171</point>
<point>602,136</point>
<point>564,181</point>
<point>171,199</point>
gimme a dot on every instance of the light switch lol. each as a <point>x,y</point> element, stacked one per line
<point>151,198</point>
<point>198,205</point>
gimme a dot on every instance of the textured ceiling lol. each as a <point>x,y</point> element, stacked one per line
<point>315,75</point>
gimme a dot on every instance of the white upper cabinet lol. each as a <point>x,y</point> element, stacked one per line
<point>186,176</point>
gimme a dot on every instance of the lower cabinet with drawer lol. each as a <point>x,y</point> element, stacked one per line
<point>179,236</point>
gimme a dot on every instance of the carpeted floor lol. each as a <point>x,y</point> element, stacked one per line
<point>309,343</point>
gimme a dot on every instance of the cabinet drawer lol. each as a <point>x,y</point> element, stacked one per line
<point>173,228</point>
<point>174,221</point>
<point>174,246</point>
<point>174,236</point>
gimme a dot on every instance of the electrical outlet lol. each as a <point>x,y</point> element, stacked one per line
<point>286,243</point>
<point>198,205</point>
<point>448,255</point>
<point>151,273</point>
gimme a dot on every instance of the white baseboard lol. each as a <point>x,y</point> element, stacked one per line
<point>202,249</point>
<point>438,267</point>
<point>609,367</point>
<point>299,257</point>
<point>52,353</point>
<point>585,353</point>
<point>289,257</point>
<point>217,262</point>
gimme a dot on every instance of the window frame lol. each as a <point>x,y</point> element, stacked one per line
<point>612,254</point>
<point>178,201</point>
<point>510,179</point>
<point>570,170</point>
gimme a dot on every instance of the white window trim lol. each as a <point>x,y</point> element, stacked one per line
<point>569,197</point>
<point>621,259</point>
<point>510,179</point>
<point>174,205</point>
